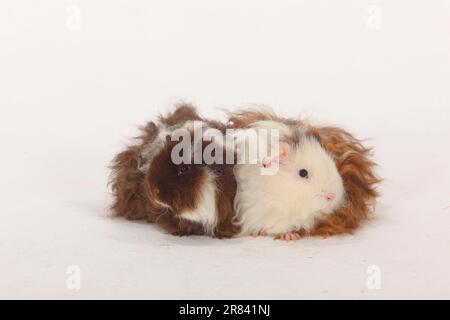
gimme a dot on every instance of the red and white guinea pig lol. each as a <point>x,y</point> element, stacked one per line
<point>325,184</point>
<point>305,187</point>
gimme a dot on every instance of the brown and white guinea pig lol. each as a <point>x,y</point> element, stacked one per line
<point>182,198</point>
<point>324,184</point>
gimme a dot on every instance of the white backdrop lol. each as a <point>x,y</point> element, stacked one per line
<point>78,76</point>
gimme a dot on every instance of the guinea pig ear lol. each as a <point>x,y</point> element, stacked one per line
<point>278,158</point>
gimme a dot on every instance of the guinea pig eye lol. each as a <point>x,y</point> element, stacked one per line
<point>303,173</point>
<point>182,169</point>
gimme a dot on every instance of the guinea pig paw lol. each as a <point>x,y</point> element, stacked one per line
<point>289,236</point>
<point>259,233</point>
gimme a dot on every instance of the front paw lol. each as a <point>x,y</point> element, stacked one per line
<point>259,233</point>
<point>289,236</point>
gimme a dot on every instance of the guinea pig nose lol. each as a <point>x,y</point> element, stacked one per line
<point>330,196</point>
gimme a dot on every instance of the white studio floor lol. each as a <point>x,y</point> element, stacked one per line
<point>70,97</point>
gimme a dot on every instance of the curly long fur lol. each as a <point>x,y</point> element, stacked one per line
<point>245,118</point>
<point>128,181</point>
<point>356,168</point>
<point>354,164</point>
<point>353,161</point>
<point>132,193</point>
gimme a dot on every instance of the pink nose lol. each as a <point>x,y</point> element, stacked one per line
<point>330,197</point>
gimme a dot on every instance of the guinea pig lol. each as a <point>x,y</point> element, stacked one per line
<point>199,193</point>
<point>305,188</point>
<point>182,198</point>
<point>128,168</point>
<point>352,161</point>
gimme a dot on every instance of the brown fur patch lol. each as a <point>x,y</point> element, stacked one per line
<point>181,193</point>
<point>182,113</point>
<point>225,194</point>
<point>127,186</point>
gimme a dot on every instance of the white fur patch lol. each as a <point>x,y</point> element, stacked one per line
<point>151,149</point>
<point>154,147</point>
<point>162,204</point>
<point>206,212</point>
<point>285,202</point>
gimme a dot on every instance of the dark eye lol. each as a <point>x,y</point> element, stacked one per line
<point>303,173</point>
<point>182,169</point>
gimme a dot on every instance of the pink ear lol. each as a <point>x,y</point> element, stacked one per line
<point>283,152</point>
